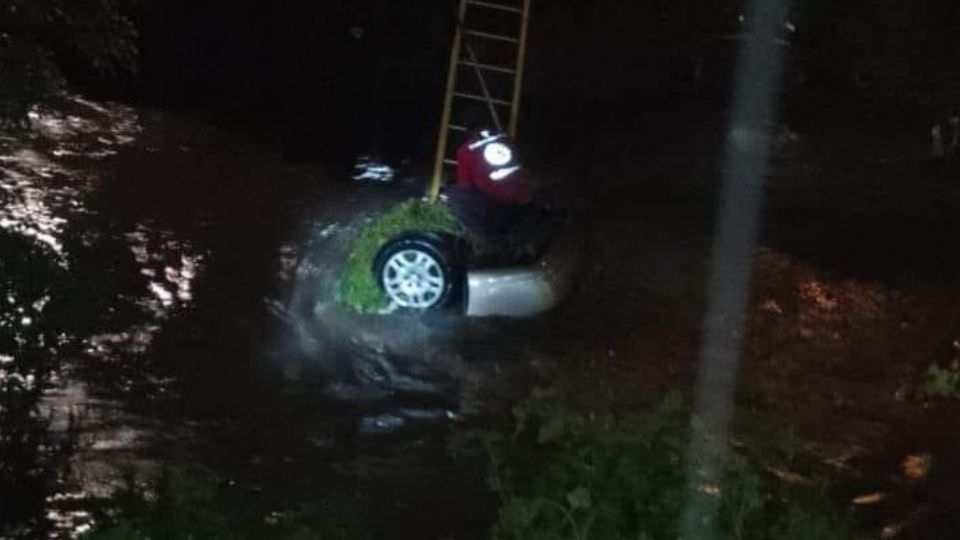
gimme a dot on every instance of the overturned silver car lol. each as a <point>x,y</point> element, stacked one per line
<point>422,272</point>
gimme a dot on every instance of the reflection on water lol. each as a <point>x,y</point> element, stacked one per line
<point>169,265</point>
<point>41,189</point>
<point>80,127</point>
<point>46,177</point>
<point>27,208</point>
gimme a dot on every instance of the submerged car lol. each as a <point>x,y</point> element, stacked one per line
<point>422,272</point>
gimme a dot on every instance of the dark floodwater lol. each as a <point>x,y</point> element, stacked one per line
<point>169,290</point>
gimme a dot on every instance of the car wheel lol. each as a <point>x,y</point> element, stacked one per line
<point>420,272</point>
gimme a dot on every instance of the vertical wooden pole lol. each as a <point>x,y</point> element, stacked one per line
<point>447,105</point>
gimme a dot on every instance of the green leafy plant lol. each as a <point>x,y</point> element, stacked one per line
<point>358,287</point>
<point>942,382</point>
<point>566,475</point>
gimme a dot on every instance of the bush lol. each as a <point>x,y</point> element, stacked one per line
<point>34,34</point>
<point>29,76</point>
<point>564,475</point>
<point>358,287</point>
<point>942,382</point>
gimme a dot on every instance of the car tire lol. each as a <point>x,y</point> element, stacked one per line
<point>421,272</point>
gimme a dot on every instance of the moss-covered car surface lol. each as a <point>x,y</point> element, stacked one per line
<point>358,287</point>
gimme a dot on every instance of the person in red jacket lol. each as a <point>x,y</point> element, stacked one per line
<point>488,162</point>
<point>492,194</point>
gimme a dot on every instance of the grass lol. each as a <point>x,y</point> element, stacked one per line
<point>358,287</point>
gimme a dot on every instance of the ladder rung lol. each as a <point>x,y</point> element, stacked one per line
<point>455,127</point>
<point>481,98</point>
<point>487,35</point>
<point>491,5</point>
<point>489,67</point>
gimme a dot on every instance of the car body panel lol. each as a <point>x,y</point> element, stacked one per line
<point>524,291</point>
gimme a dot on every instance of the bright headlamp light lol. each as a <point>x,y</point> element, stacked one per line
<point>497,154</point>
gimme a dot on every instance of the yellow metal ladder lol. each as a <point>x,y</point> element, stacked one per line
<point>490,40</point>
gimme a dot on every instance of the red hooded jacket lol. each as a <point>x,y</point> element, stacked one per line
<point>488,162</point>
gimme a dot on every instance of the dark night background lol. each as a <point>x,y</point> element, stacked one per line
<point>301,70</point>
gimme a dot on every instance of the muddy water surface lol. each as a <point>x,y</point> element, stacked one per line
<point>186,317</point>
